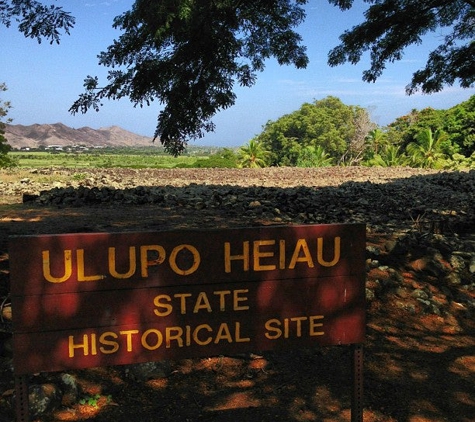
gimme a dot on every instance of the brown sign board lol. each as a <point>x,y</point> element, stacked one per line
<point>98,299</point>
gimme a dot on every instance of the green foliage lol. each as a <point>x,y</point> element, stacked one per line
<point>390,26</point>
<point>93,400</point>
<point>79,176</point>
<point>460,126</point>
<point>314,156</point>
<point>459,162</point>
<point>457,122</point>
<point>136,159</point>
<point>188,56</point>
<point>432,138</point>
<point>427,151</point>
<point>407,127</point>
<point>145,157</point>
<point>253,155</point>
<point>388,156</point>
<point>90,400</point>
<point>35,19</point>
<point>222,159</point>
<point>376,140</point>
<point>327,123</point>
<point>5,159</point>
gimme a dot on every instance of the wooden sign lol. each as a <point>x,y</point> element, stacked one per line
<point>85,300</point>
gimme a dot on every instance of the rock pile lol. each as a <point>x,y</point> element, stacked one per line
<point>440,202</point>
<point>424,273</point>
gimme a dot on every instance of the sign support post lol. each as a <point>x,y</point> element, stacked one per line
<point>21,399</point>
<point>357,394</point>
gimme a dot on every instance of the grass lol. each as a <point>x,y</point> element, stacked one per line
<point>98,160</point>
<point>15,174</point>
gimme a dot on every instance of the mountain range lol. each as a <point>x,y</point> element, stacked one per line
<point>35,136</point>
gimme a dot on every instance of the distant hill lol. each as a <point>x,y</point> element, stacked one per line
<point>35,136</point>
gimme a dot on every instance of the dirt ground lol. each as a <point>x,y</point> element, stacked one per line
<point>418,366</point>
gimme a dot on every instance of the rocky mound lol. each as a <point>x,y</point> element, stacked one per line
<point>438,202</point>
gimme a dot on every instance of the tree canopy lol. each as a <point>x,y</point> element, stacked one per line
<point>457,122</point>
<point>390,26</point>
<point>35,19</point>
<point>327,123</point>
<point>5,161</point>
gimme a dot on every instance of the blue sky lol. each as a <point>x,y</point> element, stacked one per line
<point>43,80</point>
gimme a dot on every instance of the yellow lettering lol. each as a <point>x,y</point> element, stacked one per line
<point>258,254</point>
<point>228,257</point>
<point>84,345</point>
<point>222,300</point>
<point>128,334</point>
<point>132,264</point>
<point>178,336</point>
<point>196,259</point>
<point>223,334</point>
<point>286,328</point>
<point>68,267</point>
<point>145,263</point>
<point>182,297</point>
<point>202,302</point>
<point>313,324</point>
<point>237,299</point>
<point>299,320</point>
<point>301,247</point>
<point>167,307</point>
<point>114,345</point>
<point>237,334</point>
<point>336,253</point>
<point>146,344</point>
<point>273,330</point>
<point>197,330</point>
<point>93,344</point>
<point>81,276</point>
<point>281,254</point>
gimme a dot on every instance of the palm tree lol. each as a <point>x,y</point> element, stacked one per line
<point>314,157</point>
<point>389,156</point>
<point>426,152</point>
<point>253,155</point>
<point>376,139</point>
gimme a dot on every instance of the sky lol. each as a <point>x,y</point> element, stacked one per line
<point>44,80</point>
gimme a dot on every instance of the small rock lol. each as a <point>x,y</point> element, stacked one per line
<point>471,265</point>
<point>28,197</point>
<point>373,250</point>
<point>374,263</point>
<point>254,204</point>
<point>390,245</point>
<point>70,389</point>
<point>149,370</point>
<point>370,296</point>
<point>457,262</point>
<point>420,294</point>
<point>453,279</point>
<point>43,398</point>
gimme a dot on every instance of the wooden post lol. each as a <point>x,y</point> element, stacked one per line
<point>21,400</point>
<point>357,393</point>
